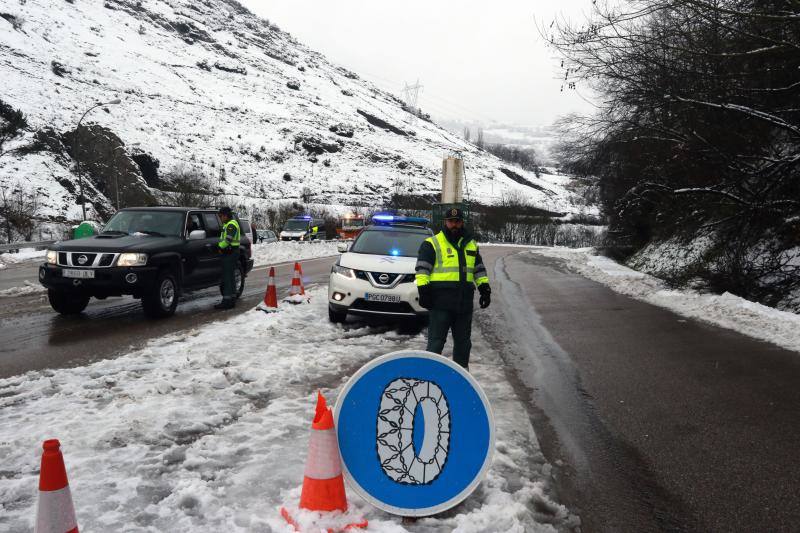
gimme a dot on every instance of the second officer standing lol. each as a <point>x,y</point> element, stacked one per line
<point>449,267</point>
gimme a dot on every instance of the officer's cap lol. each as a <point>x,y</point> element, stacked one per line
<point>225,210</point>
<point>454,213</point>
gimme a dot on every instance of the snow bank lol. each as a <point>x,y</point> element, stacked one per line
<point>24,254</point>
<point>279,252</point>
<point>208,429</point>
<point>726,310</point>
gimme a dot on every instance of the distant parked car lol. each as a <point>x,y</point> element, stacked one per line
<point>266,235</point>
<point>247,229</point>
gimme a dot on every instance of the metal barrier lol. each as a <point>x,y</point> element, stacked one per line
<point>25,244</point>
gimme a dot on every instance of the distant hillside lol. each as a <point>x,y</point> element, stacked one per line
<point>208,86</point>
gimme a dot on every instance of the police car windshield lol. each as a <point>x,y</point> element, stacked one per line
<point>389,242</point>
<point>296,225</point>
<point>147,222</point>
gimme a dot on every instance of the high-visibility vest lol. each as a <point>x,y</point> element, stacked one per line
<point>446,268</point>
<point>223,240</point>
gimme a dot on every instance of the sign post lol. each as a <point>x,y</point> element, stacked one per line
<point>416,433</point>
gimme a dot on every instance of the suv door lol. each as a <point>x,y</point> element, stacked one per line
<point>212,263</point>
<point>197,259</point>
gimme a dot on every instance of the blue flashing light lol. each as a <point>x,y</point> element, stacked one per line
<point>394,251</point>
<point>303,217</point>
<point>384,218</point>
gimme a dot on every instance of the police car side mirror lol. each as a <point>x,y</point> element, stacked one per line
<point>197,234</point>
<point>342,247</point>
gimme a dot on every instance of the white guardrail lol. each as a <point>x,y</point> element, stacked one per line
<point>38,245</point>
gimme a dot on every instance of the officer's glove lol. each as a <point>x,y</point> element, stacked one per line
<point>425,296</point>
<point>486,295</point>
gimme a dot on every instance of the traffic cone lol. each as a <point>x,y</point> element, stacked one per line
<point>271,296</point>
<point>297,293</point>
<point>323,483</point>
<point>54,513</point>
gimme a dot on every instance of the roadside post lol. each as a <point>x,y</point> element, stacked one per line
<point>415,431</point>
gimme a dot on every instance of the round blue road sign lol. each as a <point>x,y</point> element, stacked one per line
<point>416,433</point>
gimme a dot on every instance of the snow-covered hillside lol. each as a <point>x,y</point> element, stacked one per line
<point>208,85</point>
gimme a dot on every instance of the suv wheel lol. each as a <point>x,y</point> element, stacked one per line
<point>336,317</point>
<point>162,298</point>
<point>67,302</point>
<point>238,281</point>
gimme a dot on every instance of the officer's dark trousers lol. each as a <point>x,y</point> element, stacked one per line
<point>440,322</point>
<point>229,261</point>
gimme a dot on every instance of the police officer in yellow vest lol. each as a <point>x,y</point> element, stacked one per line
<point>449,267</point>
<point>228,246</point>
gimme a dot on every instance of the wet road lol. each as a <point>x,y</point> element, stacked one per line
<point>654,422</point>
<point>33,336</point>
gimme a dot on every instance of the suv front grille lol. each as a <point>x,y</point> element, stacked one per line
<point>375,278</point>
<point>86,259</point>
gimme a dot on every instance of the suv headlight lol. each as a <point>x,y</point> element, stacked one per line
<point>344,271</point>
<point>52,257</point>
<point>132,260</point>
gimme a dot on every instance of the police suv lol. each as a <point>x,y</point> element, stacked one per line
<point>376,275</point>
<point>301,228</point>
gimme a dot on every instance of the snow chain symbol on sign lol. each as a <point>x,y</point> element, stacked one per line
<point>396,419</point>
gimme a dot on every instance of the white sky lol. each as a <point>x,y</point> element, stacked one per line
<point>477,60</point>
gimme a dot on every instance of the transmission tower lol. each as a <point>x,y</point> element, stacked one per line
<point>411,97</point>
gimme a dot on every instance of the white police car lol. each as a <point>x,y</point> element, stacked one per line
<point>376,275</point>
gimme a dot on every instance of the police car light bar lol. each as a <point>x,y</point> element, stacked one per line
<point>302,217</point>
<point>398,219</point>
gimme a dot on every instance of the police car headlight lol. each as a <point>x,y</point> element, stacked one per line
<point>343,271</point>
<point>52,257</point>
<point>132,260</point>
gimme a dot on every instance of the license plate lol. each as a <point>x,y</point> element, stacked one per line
<point>375,297</point>
<point>82,274</point>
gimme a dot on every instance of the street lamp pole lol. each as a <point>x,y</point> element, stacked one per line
<point>77,160</point>
<point>116,170</point>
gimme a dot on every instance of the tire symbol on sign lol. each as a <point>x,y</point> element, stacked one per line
<point>413,431</point>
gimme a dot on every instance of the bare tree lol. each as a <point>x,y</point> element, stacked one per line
<point>19,207</point>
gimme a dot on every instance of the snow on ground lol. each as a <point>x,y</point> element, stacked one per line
<point>278,252</point>
<point>208,429</point>
<point>24,254</point>
<point>725,310</point>
<point>27,287</point>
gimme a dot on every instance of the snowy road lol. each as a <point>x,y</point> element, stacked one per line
<point>33,336</point>
<point>612,413</point>
<point>187,433</point>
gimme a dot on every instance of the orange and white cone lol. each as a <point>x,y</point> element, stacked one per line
<point>271,296</point>
<point>323,483</point>
<point>297,293</point>
<point>55,512</point>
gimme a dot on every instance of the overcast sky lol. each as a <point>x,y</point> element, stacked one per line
<point>476,60</point>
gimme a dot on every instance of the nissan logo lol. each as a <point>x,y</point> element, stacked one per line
<point>82,259</point>
<point>384,278</point>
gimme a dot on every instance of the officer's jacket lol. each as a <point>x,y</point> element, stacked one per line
<point>230,236</point>
<point>452,270</point>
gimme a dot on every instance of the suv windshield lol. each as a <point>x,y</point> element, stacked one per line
<point>152,222</point>
<point>389,242</point>
<point>296,225</point>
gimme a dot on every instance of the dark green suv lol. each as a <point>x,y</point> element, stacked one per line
<point>152,253</point>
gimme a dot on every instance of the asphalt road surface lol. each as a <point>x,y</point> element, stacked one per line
<point>653,422</point>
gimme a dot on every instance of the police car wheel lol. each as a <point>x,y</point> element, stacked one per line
<point>162,298</point>
<point>67,302</point>
<point>336,317</point>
